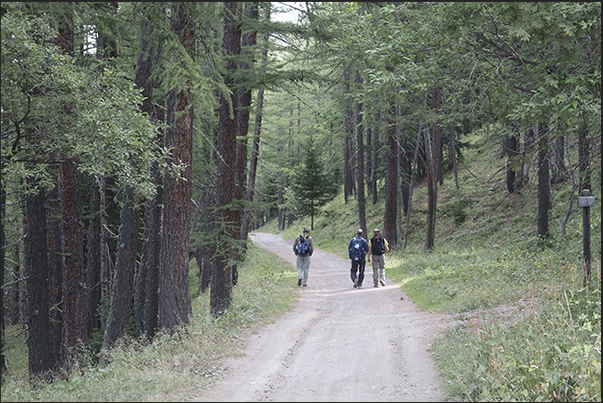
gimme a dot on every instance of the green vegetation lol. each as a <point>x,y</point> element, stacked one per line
<point>527,330</point>
<point>172,368</point>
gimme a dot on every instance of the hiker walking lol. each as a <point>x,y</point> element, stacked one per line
<point>357,249</point>
<point>378,247</point>
<point>303,247</point>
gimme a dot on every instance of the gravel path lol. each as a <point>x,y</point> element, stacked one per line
<point>338,343</point>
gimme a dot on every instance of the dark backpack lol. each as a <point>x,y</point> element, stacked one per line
<point>377,245</point>
<point>302,245</point>
<point>355,252</point>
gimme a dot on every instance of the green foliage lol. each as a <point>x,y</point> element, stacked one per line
<point>52,109</point>
<point>315,183</point>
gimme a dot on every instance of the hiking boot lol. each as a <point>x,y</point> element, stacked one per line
<point>299,281</point>
<point>355,283</point>
<point>376,285</point>
<point>382,282</point>
<point>304,285</point>
<point>359,287</point>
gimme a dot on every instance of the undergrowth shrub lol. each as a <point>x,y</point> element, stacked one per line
<point>552,355</point>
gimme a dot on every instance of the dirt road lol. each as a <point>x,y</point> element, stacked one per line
<point>337,344</point>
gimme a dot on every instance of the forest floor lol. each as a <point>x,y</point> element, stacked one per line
<point>338,343</point>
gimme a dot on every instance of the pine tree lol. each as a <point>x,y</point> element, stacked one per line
<point>314,183</point>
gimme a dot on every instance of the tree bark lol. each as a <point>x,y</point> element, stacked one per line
<point>390,214</point>
<point>221,282</point>
<point>255,151</point>
<point>360,160</point>
<point>93,256</point>
<point>74,325</point>
<point>56,265</point>
<point>243,105</point>
<point>431,192</point>
<point>38,322</point>
<point>125,268</point>
<point>146,293</point>
<point>348,170</point>
<point>375,157</point>
<point>174,297</point>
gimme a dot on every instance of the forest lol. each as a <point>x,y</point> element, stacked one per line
<point>137,136</point>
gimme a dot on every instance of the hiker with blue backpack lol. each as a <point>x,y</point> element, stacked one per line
<point>303,247</point>
<point>357,250</point>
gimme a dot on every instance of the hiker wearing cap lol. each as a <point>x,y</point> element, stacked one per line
<point>303,247</point>
<point>378,247</point>
<point>357,249</point>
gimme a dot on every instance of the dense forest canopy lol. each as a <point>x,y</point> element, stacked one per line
<point>136,135</point>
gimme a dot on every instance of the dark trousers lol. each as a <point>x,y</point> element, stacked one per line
<point>357,270</point>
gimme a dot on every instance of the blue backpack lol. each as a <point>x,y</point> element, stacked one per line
<point>355,252</point>
<point>302,245</point>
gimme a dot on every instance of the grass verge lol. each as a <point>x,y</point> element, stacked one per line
<point>171,368</point>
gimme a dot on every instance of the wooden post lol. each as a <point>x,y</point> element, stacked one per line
<point>586,201</point>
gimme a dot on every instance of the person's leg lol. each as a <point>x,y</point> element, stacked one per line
<point>382,269</point>
<point>361,266</point>
<point>299,269</point>
<point>375,263</point>
<point>353,272</point>
<point>306,269</point>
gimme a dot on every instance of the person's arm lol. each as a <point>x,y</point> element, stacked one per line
<point>386,246</point>
<point>295,245</point>
<point>310,245</point>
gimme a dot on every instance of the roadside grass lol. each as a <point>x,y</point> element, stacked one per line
<point>171,368</point>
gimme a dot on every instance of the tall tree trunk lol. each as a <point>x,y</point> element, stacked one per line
<point>56,267</point>
<point>243,105</point>
<point>108,242</point>
<point>125,269</point>
<point>390,214</point>
<point>221,282</point>
<point>41,359</point>
<point>437,138</point>
<point>146,292</point>
<point>348,170</point>
<point>174,297</point>
<point>93,256</point>
<point>74,283</point>
<point>255,150</point>
<point>416,160</point>
<point>405,172</point>
<point>360,160</point>
<point>452,155</point>
<point>544,184</point>
<point>375,157</point>
<point>369,166</point>
<point>73,279</point>
<point>431,192</point>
